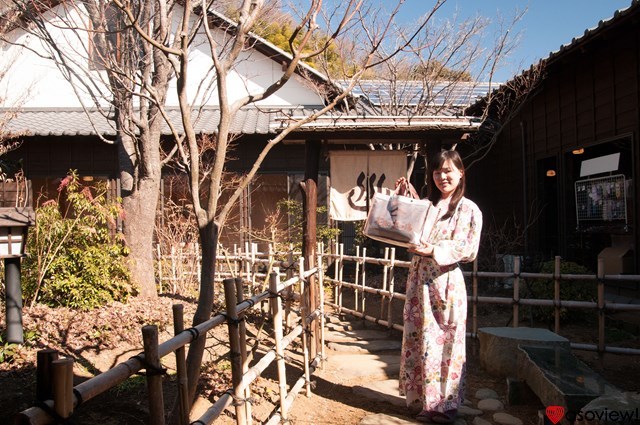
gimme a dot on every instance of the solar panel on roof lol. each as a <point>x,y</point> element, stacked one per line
<point>413,93</point>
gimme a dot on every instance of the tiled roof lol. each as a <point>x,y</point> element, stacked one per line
<point>78,122</point>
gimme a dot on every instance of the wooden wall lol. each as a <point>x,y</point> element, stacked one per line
<point>590,96</point>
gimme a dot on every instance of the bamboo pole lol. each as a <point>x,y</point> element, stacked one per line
<point>556,294</point>
<point>181,365</point>
<point>336,262</point>
<point>516,291</point>
<point>43,373</point>
<point>276,311</point>
<point>385,270</point>
<point>363,278</point>
<point>340,277</point>
<point>474,298</point>
<point>247,263</point>
<point>289,291</point>
<point>392,282</point>
<point>234,353</point>
<point>356,292</point>
<point>601,307</point>
<point>304,308</point>
<point>321,295</point>
<point>242,329</point>
<point>160,277</point>
<point>62,377</point>
<point>254,250</point>
<point>174,276</point>
<point>154,374</point>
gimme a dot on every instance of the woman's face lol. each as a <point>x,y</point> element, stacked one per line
<point>447,178</point>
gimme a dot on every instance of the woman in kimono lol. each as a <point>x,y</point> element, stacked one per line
<point>432,365</point>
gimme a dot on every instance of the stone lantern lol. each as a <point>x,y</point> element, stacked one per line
<point>16,215</point>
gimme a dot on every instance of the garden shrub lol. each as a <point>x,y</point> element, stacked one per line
<point>74,257</point>
<point>570,290</point>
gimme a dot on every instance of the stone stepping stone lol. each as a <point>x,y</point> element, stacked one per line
<point>357,334</point>
<point>490,404</point>
<point>358,365</point>
<point>365,346</point>
<point>506,419</point>
<point>468,411</point>
<point>386,391</point>
<point>479,421</point>
<point>483,393</point>
<point>382,419</point>
<point>344,325</point>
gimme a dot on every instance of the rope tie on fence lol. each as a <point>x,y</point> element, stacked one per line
<point>239,401</point>
<point>276,295</point>
<point>150,370</point>
<point>198,422</point>
<point>57,419</point>
<point>195,333</point>
<point>232,320</point>
<point>282,357</point>
<point>250,301</point>
<point>515,301</point>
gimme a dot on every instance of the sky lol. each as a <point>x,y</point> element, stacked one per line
<point>546,26</point>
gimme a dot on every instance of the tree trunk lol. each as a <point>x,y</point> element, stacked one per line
<point>139,202</point>
<point>209,241</point>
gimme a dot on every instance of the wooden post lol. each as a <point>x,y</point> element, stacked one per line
<point>385,270</point>
<point>336,263</point>
<point>174,271</point>
<point>154,374</point>
<point>181,365</point>
<point>474,299</point>
<point>276,312</point>
<point>289,291</point>
<point>392,282</point>
<point>43,373</point>
<point>556,293</point>
<point>364,277</point>
<point>304,310</point>
<point>234,343</point>
<point>242,330</point>
<point>321,295</point>
<point>516,290</point>
<point>601,317</point>
<point>160,278</point>
<point>340,278</point>
<point>309,237</point>
<point>62,371</point>
<point>356,292</point>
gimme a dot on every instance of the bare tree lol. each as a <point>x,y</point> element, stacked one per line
<point>143,51</point>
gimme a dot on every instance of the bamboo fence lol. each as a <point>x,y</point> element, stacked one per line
<point>387,294</point>
<point>57,398</point>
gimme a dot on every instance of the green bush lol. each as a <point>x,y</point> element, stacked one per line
<point>74,258</point>
<point>570,290</point>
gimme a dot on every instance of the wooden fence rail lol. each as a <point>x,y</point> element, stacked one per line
<point>59,398</point>
<point>389,264</point>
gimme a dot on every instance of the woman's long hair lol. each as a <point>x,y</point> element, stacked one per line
<point>436,163</point>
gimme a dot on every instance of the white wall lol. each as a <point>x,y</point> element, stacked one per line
<point>38,79</point>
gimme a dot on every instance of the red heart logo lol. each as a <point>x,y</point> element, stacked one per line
<point>555,413</point>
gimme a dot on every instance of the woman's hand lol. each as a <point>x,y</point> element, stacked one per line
<point>402,186</point>
<point>425,250</point>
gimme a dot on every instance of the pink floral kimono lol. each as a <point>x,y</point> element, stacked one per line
<point>435,312</point>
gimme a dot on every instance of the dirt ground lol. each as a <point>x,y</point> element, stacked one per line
<point>99,339</point>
